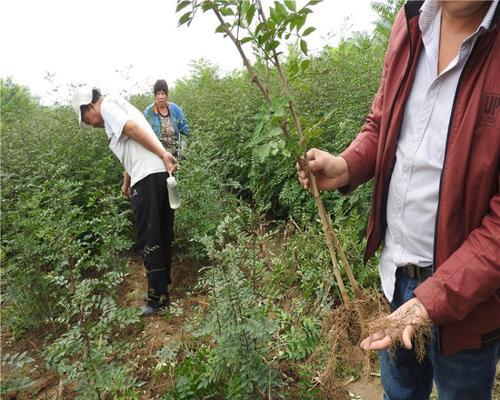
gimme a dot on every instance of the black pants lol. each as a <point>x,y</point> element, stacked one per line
<point>154,222</point>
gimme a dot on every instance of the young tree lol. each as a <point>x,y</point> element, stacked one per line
<point>244,21</point>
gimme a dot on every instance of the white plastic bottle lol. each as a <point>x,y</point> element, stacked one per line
<point>173,192</point>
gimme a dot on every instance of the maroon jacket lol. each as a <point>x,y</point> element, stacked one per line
<point>463,295</point>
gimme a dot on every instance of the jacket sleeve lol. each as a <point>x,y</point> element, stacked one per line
<point>469,276</point>
<point>147,112</point>
<point>361,155</point>
<point>181,121</point>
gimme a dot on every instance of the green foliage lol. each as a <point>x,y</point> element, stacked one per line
<point>285,21</point>
<point>204,200</point>
<point>86,354</point>
<point>64,227</point>
<point>14,98</point>
<point>302,341</point>
<point>17,363</point>
<point>240,145</point>
<point>386,12</point>
<point>236,322</point>
<point>63,219</point>
<point>141,101</point>
<point>191,377</point>
<point>248,330</point>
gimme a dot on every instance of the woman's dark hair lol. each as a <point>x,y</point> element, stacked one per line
<point>96,95</point>
<point>160,84</point>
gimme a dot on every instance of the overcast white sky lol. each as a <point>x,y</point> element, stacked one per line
<point>125,45</point>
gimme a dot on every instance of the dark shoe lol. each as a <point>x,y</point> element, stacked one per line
<point>149,310</point>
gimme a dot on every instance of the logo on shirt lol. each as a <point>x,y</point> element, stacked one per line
<point>489,109</point>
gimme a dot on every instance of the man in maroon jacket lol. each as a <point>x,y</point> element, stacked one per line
<point>432,144</point>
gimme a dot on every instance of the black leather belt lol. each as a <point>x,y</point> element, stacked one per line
<point>416,272</point>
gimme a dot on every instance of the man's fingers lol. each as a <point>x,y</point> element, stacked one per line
<point>301,174</point>
<point>311,154</point>
<point>313,166</point>
<point>374,341</point>
<point>381,344</point>
<point>407,335</point>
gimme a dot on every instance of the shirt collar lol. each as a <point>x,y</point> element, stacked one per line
<point>155,108</point>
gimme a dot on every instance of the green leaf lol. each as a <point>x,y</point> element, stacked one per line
<point>271,25</point>
<point>291,4</point>
<point>246,40</point>
<point>305,64</point>
<point>314,2</point>
<point>185,18</point>
<point>308,31</point>
<point>250,14</point>
<point>260,27</point>
<point>182,4</point>
<point>226,11</point>
<point>220,28</point>
<point>207,5</point>
<point>313,132</point>
<point>301,20</point>
<point>275,132</point>
<point>262,151</point>
<point>281,11</point>
<point>303,46</point>
<point>264,37</point>
<point>273,45</point>
<point>293,67</point>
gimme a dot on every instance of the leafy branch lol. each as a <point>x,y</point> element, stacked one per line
<point>266,34</point>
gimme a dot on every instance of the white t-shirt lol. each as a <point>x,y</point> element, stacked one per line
<point>138,161</point>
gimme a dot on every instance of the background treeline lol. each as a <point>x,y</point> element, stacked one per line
<point>266,273</point>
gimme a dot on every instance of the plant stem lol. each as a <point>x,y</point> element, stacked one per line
<point>331,239</point>
<point>246,61</point>
<point>325,218</point>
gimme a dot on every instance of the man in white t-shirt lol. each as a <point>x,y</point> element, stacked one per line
<point>147,162</point>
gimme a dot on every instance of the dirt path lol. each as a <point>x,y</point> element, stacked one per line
<point>160,331</point>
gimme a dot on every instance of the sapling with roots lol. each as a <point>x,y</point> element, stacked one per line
<point>245,23</point>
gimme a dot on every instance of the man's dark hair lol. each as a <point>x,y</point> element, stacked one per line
<point>96,95</point>
<point>160,84</point>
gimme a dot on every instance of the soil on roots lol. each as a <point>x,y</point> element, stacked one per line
<point>348,325</point>
<point>421,336</point>
<point>345,327</point>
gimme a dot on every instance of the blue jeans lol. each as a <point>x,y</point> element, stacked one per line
<point>467,375</point>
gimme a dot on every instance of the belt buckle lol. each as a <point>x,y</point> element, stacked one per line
<point>413,270</point>
<point>417,271</point>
